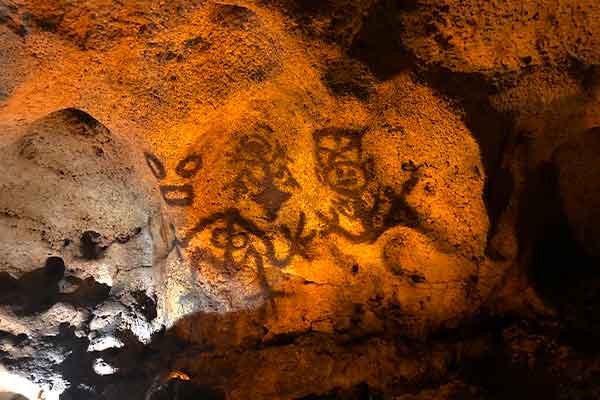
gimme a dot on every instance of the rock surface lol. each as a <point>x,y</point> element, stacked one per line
<point>299,200</point>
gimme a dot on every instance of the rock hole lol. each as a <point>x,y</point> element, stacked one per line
<point>89,293</point>
<point>146,304</point>
<point>91,245</point>
<point>416,278</point>
<point>82,117</point>
<point>55,267</point>
<point>526,60</point>
<point>564,276</point>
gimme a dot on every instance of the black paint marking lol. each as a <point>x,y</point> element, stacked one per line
<point>185,170</point>
<point>264,175</point>
<point>155,165</point>
<point>234,234</point>
<point>359,197</point>
<point>177,195</point>
<point>175,244</point>
<point>298,244</point>
<point>346,177</point>
<point>234,237</point>
<point>339,160</point>
<point>236,243</point>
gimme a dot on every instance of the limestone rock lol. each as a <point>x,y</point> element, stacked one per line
<point>289,199</point>
<point>77,248</point>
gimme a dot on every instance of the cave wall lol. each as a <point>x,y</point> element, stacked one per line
<point>287,199</point>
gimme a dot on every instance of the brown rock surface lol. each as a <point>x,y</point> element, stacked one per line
<point>299,199</point>
<point>499,37</point>
<point>579,180</point>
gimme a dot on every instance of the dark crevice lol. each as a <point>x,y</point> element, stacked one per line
<point>587,75</point>
<point>349,77</point>
<point>89,293</point>
<point>329,20</point>
<point>36,291</point>
<point>146,304</point>
<point>55,266</point>
<point>82,117</point>
<point>378,43</point>
<point>14,340</point>
<point>565,277</point>
<point>279,340</point>
<point>78,366</point>
<point>92,245</point>
<point>131,380</point>
<point>500,378</point>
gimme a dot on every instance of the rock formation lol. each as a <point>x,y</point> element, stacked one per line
<point>287,199</point>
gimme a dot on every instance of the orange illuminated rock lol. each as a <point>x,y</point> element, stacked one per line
<point>391,207</point>
<point>280,199</point>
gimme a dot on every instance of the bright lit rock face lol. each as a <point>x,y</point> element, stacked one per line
<point>77,243</point>
<point>296,200</point>
<point>271,215</point>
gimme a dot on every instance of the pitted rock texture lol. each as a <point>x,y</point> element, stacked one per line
<point>502,37</point>
<point>64,177</point>
<point>299,199</point>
